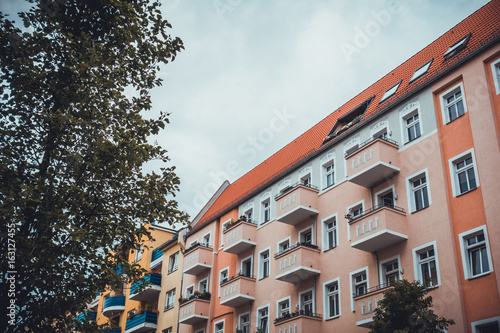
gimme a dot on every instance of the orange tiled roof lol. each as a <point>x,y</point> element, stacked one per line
<point>484,27</point>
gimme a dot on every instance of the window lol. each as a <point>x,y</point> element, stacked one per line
<point>246,267</point>
<point>264,264</point>
<point>284,245</point>
<point>426,265</point>
<point>355,210</point>
<point>170,300</point>
<point>495,70</point>
<point>224,227</point>
<point>266,211</point>
<point>249,215</point>
<point>391,91</point>
<point>457,47</point>
<point>412,127</point>
<point>283,308</point>
<point>332,299</point>
<point>167,330</point>
<point>391,272</point>
<point>490,325</point>
<point>219,326</point>
<point>385,197</point>
<point>329,172</point>
<point>360,284</point>
<point>306,180</point>
<point>190,291</point>
<point>203,285</point>
<point>263,319</point>
<point>453,103</point>
<point>463,173</point>
<point>224,276</point>
<point>138,253</point>
<point>206,239</point>
<point>421,71</point>
<point>330,233</point>
<point>476,254</point>
<point>418,191</point>
<point>306,302</point>
<point>244,323</point>
<point>305,236</point>
<point>173,263</point>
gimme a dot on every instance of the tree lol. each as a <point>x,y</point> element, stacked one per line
<point>73,152</point>
<point>405,309</point>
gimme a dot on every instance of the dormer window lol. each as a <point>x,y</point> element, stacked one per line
<point>421,71</point>
<point>391,91</point>
<point>457,47</point>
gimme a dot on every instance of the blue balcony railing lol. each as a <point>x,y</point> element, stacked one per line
<point>153,278</point>
<point>156,254</point>
<point>112,330</point>
<point>145,317</point>
<point>114,301</point>
<point>89,315</point>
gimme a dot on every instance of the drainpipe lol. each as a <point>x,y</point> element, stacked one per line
<point>378,268</point>
<point>316,230</point>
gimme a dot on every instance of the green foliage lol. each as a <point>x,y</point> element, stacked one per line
<point>405,309</point>
<point>73,149</point>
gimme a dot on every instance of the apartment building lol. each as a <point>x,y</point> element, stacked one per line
<point>399,182</point>
<point>133,308</point>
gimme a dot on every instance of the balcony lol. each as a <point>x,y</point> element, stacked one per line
<point>299,322</point>
<point>198,259</point>
<point>374,162</point>
<point>365,305</point>
<point>194,311</point>
<point>298,263</point>
<point>239,236</point>
<point>296,203</point>
<point>149,292</point>
<point>378,228</point>
<point>87,316</point>
<point>238,290</point>
<point>156,259</point>
<point>143,322</point>
<point>112,305</point>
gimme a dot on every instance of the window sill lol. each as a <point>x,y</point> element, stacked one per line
<point>419,210</point>
<point>332,318</point>
<point>450,121</point>
<point>479,276</point>
<point>330,249</point>
<point>262,278</point>
<point>173,271</point>
<point>464,193</point>
<point>410,141</point>
<point>168,308</point>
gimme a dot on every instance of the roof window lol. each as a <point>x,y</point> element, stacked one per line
<point>391,91</point>
<point>421,71</point>
<point>457,47</point>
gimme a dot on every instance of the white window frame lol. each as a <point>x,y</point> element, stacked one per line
<point>325,173</point>
<point>263,210</point>
<point>405,138</point>
<point>378,195</point>
<point>223,322</point>
<point>313,299</point>
<point>138,253</point>
<point>283,241</point>
<point>251,264</point>
<point>187,290</point>
<point>167,330</point>
<point>453,174</point>
<point>477,324</point>
<point>209,234</point>
<point>258,317</point>
<point>326,301</point>
<point>261,264</point>
<point>173,263</point>
<point>390,92</point>
<point>324,222</point>
<point>442,98</point>
<point>452,50</point>
<point>249,214</point>
<point>462,238</point>
<point>222,227</point>
<point>416,262</point>
<point>383,276</point>
<point>352,285</point>
<point>422,70</point>
<point>305,230</point>
<point>410,190</point>
<point>169,294</point>
<point>193,242</point>
<point>279,302</point>
<point>224,270</point>
<point>495,71</point>
<point>200,282</point>
<point>249,320</point>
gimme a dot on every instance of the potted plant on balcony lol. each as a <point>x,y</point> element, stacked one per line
<point>196,294</point>
<point>181,300</point>
<point>205,295</point>
<point>243,218</point>
<point>259,330</point>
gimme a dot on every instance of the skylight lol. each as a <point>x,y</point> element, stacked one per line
<point>391,91</point>
<point>457,47</point>
<point>421,71</point>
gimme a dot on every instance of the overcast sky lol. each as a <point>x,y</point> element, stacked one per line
<point>256,74</point>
